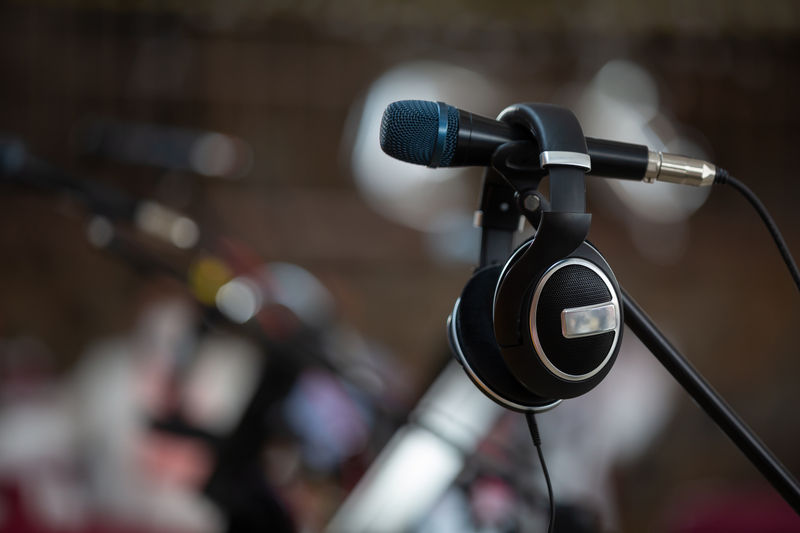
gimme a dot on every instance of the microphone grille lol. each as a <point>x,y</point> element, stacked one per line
<point>410,128</point>
<point>12,156</point>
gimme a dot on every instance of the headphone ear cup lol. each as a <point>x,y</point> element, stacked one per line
<point>472,340</point>
<point>570,328</point>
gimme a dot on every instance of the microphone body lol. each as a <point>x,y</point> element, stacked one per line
<point>439,135</point>
<point>478,137</point>
<point>19,167</point>
<point>207,153</point>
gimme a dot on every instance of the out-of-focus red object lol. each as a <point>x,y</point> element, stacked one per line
<point>734,512</point>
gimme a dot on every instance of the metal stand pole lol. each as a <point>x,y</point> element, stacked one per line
<point>711,402</point>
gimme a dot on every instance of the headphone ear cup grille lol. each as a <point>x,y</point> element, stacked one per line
<point>569,287</point>
<point>472,336</point>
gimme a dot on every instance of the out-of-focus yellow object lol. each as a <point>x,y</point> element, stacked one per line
<point>206,276</point>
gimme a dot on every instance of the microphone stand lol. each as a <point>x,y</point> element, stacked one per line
<point>711,402</point>
<point>507,187</point>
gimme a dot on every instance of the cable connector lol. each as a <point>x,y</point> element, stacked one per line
<point>534,429</point>
<point>678,169</point>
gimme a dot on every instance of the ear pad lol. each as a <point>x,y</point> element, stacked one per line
<point>472,340</point>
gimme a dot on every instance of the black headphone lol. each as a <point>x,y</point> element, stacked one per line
<point>544,322</point>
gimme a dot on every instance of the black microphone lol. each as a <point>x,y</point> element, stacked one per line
<point>207,153</point>
<point>439,135</point>
<point>19,167</point>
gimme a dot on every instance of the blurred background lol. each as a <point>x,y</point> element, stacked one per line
<point>222,307</point>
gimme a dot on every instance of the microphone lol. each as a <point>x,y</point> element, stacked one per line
<point>18,166</point>
<point>436,134</point>
<point>207,153</point>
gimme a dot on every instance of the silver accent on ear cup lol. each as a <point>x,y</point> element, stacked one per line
<point>535,304</point>
<point>577,322</point>
<point>456,347</point>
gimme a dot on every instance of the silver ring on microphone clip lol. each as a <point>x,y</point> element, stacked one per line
<point>438,148</point>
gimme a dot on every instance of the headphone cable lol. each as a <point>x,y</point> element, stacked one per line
<point>537,442</point>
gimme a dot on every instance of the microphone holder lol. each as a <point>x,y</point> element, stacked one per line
<point>515,179</point>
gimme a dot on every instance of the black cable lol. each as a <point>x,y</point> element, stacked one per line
<point>723,178</point>
<point>537,441</point>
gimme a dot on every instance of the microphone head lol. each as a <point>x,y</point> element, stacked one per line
<point>410,132</point>
<point>12,156</point>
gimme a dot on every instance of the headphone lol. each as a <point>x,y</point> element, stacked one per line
<point>543,322</point>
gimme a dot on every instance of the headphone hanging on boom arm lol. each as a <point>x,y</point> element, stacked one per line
<point>544,322</point>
